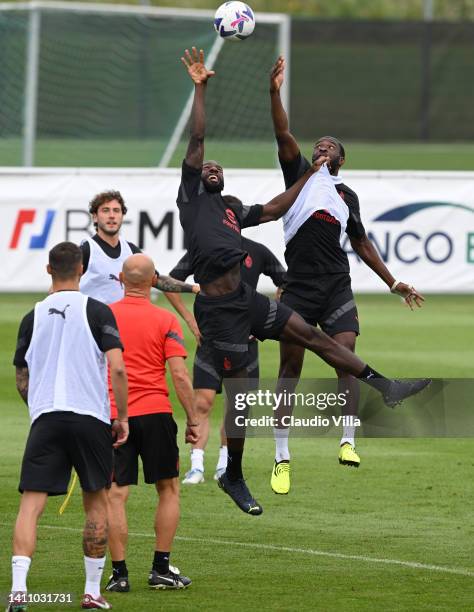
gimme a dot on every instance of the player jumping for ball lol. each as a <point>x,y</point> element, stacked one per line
<point>229,311</point>
<point>319,285</point>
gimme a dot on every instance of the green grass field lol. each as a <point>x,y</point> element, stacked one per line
<point>238,154</point>
<point>395,535</point>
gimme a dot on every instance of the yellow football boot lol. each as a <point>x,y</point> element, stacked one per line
<point>280,480</point>
<point>348,456</point>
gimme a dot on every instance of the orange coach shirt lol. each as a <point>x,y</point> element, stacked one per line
<point>150,335</point>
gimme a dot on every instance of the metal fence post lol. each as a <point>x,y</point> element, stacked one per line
<point>428,10</point>
<point>31,87</point>
<point>426,47</point>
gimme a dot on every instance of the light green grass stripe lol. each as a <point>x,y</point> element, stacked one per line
<point>287,549</point>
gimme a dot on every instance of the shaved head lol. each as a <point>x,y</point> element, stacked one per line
<point>138,272</point>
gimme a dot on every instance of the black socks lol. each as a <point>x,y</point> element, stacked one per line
<point>120,569</point>
<point>375,379</point>
<point>234,464</point>
<point>161,562</point>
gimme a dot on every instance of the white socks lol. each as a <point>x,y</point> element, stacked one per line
<point>348,435</point>
<point>281,444</point>
<point>222,461</point>
<point>197,459</point>
<point>20,567</point>
<point>94,569</point>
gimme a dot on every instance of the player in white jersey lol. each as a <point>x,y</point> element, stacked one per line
<point>319,284</point>
<point>104,253</point>
<point>63,348</point>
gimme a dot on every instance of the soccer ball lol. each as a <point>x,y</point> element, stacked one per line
<point>234,21</point>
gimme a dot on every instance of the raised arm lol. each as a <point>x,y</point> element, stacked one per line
<point>288,148</point>
<point>199,74</point>
<point>282,203</point>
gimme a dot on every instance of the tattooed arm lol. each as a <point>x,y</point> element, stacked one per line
<point>22,380</point>
<point>25,333</point>
<point>171,285</point>
<point>165,283</point>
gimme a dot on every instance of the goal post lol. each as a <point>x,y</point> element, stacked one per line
<point>101,85</point>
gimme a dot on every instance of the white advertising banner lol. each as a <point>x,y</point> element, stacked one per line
<point>422,223</point>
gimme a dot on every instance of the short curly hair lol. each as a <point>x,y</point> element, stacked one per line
<point>103,198</point>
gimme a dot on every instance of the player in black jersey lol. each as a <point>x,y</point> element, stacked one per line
<point>206,381</point>
<point>319,285</point>
<point>228,311</point>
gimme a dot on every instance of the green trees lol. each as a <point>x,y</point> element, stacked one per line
<point>354,9</point>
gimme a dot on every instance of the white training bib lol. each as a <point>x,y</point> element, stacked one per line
<point>67,370</point>
<point>101,280</point>
<point>318,193</point>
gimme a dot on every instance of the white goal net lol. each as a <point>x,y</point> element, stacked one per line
<point>102,85</point>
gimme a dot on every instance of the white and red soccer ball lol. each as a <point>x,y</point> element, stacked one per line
<point>234,21</point>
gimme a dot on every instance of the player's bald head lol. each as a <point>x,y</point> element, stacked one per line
<point>138,271</point>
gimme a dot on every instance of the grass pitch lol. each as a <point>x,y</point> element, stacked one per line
<point>395,535</point>
<point>235,154</point>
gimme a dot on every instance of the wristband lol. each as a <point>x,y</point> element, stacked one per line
<point>122,420</point>
<point>392,288</point>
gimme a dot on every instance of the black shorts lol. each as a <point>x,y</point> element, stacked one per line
<point>205,375</point>
<point>325,300</point>
<point>227,321</point>
<point>59,441</point>
<point>153,438</point>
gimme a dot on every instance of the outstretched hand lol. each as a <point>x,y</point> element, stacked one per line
<point>409,294</point>
<point>195,66</point>
<point>277,74</point>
